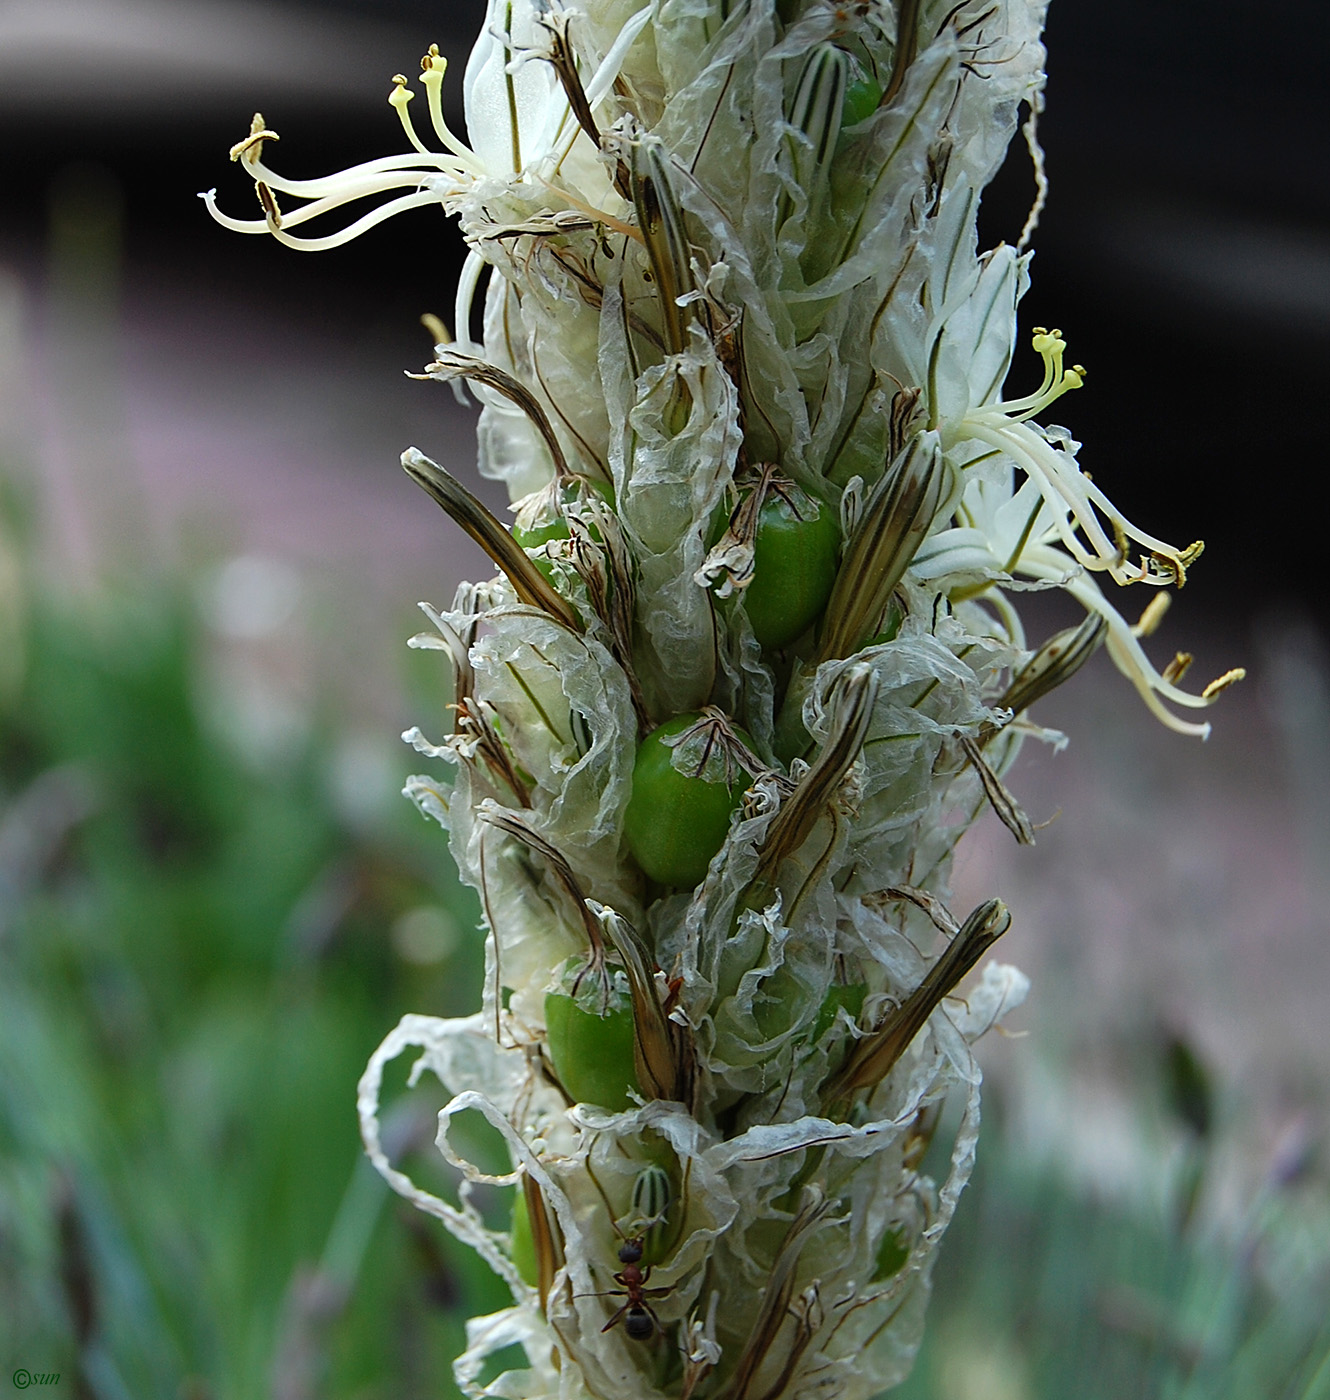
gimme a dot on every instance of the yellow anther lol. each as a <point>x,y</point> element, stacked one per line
<point>401,94</point>
<point>1223,682</point>
<point>1073,379</point>
<point>1153,615</point>
<point>437,328</point>
<point>1178,667</point>
<point>1047,342</point>
<point>269,202</point>
<point>432,69</point>
<point>258,134</point>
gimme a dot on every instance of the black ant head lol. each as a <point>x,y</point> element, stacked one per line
<point>630,1252</point>
<point>637,1322</point>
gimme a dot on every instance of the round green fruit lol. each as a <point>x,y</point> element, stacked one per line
<point>592,1055</point>
<point>523,1249</point>
<point>551,523</point>
<point>892,1254</point>
<point>861,101</point>
<point>675,822</point>
<point>794,566</point>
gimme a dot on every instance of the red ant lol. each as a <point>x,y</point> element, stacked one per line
<point>638,1316</point>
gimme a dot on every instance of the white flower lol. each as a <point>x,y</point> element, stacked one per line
<point>1005,532</point>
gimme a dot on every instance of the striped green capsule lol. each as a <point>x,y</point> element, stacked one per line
<point>818,107</point>
<point>652,1198</point>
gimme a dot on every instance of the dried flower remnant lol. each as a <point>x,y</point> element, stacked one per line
<point>752,645</point>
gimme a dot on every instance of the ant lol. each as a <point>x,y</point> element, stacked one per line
<point>638,1316</point>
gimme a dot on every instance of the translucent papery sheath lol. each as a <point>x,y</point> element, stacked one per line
<point>706,263</point>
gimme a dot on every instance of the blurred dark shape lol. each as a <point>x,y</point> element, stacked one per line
<point>34,827</point>
<point>437,1280</point>
<point>77,1279</point>
<point>1149,1322</point>
<point>80,1288</point>
<point>1188,1092</point>
<point>1189,1099</point>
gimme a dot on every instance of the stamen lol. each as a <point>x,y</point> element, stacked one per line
<point>1048,562</point>
<point>399,99</point>
<point>433,66</point>
<point>459,164</point>
<point>1153,615</point>
<point>258,134</point>
<point>1051,347</point>
<point>438,332</point>
<point>1178,667</point>
<point>269,203</point>
<point>1223,682</point>
<point>361,225</point>
<point>467,285</point>
<point>406,166</point>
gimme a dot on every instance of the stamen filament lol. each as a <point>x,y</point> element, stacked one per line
<point>1049,345</point>
<point>1024,449</point>
<point>467,285</point>
<point>361,225</point>
<point>400,99</point>
<point>331,185</point>
<point>321,206</point>
<point>433,67</point>
<point>1128,655</point>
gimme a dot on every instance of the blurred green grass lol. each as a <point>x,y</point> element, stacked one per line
<point>196,959</point>
<point>195,963</point>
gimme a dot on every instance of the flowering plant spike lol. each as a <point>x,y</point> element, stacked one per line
<point>750,665</point>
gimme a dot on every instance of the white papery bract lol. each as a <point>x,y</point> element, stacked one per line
<point>731,249</point>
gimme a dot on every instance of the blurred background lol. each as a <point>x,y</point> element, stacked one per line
<point>213,904</point>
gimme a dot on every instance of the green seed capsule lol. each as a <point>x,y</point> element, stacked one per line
<point>675,822</point>
<point>541,517</point>
<point>592,1055</point>
<point>794,566</point>
<point>523,1249</point>
<point>891,1254</point>
<point>861,101</point>
<point>891,625</point>
<point>839,995</point>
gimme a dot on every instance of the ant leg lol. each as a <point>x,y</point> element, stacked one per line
<point>615,1318</point>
